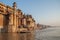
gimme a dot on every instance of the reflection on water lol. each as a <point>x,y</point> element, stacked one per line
<point>16,36</point>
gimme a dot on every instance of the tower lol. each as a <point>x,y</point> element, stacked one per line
<point>14,28</point>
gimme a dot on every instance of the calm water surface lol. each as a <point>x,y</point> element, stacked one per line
<point>16,36</point>
<point>51,33</point>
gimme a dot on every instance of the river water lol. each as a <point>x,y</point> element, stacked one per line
<point>51,33</point>
<point>16,36</point>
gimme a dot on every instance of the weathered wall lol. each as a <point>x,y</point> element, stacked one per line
<point>1,20</point>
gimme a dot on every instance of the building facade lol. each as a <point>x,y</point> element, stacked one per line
<point>13,19</point>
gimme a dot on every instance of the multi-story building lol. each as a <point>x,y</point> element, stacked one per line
<point>13,19</point>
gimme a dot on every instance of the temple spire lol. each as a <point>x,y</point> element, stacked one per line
<point>14,5</point>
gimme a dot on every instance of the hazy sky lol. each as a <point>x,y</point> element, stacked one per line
<point>43,11</point>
